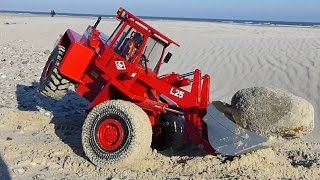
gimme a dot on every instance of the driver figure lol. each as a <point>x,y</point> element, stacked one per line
<point>133,46</point>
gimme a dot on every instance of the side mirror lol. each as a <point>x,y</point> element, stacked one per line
<point>167,58</point>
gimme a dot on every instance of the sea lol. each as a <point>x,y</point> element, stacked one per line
<point>227,21</point>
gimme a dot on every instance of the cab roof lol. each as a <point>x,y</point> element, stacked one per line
<point>122,14</point>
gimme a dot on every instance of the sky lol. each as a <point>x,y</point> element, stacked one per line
<point>277,10</point>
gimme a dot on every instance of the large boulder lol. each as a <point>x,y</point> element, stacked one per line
<point>272,111</point>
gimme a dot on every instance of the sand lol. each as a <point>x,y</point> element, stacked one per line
<point>40,138</point>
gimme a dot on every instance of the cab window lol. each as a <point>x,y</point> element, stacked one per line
<point>152,54</point>
<point>129,43</point>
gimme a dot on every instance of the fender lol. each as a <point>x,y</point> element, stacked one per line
<point>77,56</point>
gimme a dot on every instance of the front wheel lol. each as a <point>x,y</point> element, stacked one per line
<point>116,132</point>
<point>52,83</point>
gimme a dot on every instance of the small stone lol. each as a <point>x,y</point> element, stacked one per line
<point>47,113</point>
<point>35,133</point>
<point>46,51</point>
<point>80,173</point>
<point>39,177</point>
<point>19,171</point>
<point>3,76</point>
<point>64,178</point>
<point>45,169</point>
<point>21,75</point>
<point>25,62</point>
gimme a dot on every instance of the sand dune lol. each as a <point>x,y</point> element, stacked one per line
<point>40,138</point>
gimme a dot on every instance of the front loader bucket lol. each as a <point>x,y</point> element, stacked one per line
<point>228,138</point>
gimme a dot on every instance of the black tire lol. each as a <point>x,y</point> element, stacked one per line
<point>135,127</point>
<point>52,84</point>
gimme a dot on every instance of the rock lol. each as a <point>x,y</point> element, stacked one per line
<point>80,173</point>
<point>48,114</point>
<point>272,111</point>
<point>47,51</point>
<point>39,177</point>
<point>45,169</point>
<point>25,62</point>
<point>21,74</point>
<point>19,171</point>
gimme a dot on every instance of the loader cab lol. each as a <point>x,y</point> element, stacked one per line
<point>138,43</point>
<point>129,43</point>
<point>139,48</point>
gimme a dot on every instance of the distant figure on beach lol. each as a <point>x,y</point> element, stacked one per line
<point>52,13</point>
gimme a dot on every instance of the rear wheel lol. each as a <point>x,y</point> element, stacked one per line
<point>116,133</point>
<point>52,84</point>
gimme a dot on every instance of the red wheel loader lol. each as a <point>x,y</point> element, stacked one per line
<point>132,107</point>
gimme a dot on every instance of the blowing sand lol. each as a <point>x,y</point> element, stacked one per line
<point>40,138</point>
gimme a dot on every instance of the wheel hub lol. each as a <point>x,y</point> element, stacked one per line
<point>110,134</point>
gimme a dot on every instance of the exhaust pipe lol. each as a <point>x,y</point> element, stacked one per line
<point>97,22</point>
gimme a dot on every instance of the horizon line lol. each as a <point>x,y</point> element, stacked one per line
<point>157,17</point>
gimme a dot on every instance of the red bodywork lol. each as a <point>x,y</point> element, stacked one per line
<point>100,73</point>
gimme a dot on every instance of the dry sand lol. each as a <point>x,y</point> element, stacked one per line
<point>40,138</point>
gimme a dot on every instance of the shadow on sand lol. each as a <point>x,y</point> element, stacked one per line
<point>4,171</point>
<point>67,113</point>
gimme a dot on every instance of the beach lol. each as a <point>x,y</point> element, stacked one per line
<point>41,138</point>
